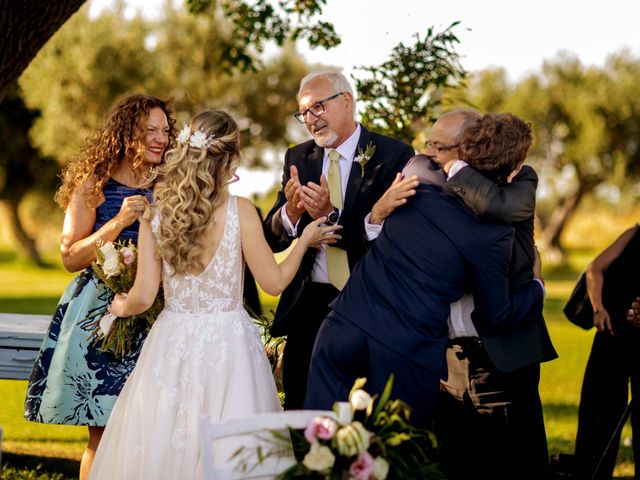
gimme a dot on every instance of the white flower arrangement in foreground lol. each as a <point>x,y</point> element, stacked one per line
<point>371,439</point>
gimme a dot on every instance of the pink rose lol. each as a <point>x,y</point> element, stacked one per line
<point>320,427</point>
<point>128,256</point>
<point>362,468</point>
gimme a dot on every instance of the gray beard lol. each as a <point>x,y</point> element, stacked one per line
<point>327,140</point>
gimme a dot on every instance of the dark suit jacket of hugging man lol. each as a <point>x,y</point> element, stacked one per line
<point>391,317</point>
<point>513,203</point>
<point>483,439</point>
<point>304,304</point>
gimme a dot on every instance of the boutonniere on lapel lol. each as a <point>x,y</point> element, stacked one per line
<point>364,156</point>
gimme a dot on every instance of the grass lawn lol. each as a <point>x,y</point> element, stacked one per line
<point>25,289</point>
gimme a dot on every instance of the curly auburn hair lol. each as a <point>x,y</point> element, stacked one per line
<point>496,144</point>
<point>192,183</point>
<point>116,139</point>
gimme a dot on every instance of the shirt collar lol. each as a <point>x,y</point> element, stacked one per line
<point>347,149</point>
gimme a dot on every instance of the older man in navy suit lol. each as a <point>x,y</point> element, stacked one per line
<point>392,315</point>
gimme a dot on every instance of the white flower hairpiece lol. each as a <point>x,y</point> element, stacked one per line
<point>197,139</point>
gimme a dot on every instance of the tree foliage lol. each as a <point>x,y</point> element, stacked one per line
<point>253,24</point>
<point>91,62</point>
<point>247,26</point>
<point>586,127</point>
<point>403,93</point>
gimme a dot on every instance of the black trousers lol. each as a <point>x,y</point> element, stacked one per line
<point>489,424</point>
<point>309,312</point>
<point>613,364</point>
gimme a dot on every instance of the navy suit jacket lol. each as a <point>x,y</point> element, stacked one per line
<point>431,251</point>
<point>364,188</point>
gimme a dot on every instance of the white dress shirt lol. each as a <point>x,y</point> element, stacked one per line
<point>347,151</point>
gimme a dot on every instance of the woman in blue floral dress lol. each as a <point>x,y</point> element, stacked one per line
<point>103,193</point>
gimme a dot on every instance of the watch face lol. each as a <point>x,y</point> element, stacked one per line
<point>333,218</point>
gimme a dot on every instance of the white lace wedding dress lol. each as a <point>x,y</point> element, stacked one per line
<point>203,355</point>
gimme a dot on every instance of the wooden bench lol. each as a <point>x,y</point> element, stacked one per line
<point>20,338</point>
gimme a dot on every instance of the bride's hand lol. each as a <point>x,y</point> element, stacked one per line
<point>315,234</point>
<point>117,307</point>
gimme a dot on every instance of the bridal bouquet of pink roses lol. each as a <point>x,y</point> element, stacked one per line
<point>116,265</point>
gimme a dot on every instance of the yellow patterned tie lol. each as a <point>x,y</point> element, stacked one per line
<point>337,260</point>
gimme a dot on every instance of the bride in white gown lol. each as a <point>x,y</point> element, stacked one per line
<point>203,354</point>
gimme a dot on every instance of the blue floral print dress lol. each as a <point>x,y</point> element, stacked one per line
<point>73,382</point>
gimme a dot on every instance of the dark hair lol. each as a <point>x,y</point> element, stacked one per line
<point>496,144</point>
<point>116,139</point>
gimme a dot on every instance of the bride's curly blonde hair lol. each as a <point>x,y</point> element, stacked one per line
<point>192,183</point>
<point>116,139</point>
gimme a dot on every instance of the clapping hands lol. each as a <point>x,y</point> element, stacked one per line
<point>312,198</point>
<point>292,191</point>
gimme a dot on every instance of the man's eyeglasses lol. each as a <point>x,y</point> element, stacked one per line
<point>316,109</point>
<point>440,148</point>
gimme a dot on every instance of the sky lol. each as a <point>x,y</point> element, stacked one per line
<point>512,34</point>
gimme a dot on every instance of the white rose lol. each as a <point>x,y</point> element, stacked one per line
<point>108,250</point>
<point>111,267</point>
<point>360,399</point>
<point>353,439</point>
<point>111,262</point>
<point>380,468</point>
<point>319,458</point>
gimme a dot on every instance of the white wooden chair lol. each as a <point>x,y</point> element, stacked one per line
<point>255,426</point>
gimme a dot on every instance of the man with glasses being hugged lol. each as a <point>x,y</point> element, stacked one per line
<point>338,174</point>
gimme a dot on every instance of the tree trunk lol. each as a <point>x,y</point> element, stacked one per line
<point>550,236</point>
<point>26,243</point>
<point>26,25</point>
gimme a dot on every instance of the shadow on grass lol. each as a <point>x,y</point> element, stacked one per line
<point>554,304</point>
<point>44,440</point>
<point>560,411</point>
<point>8,256</point>
<point>562,445</point>
<point>39,305</point>
<point>67,467</point>
<point>562,272</point>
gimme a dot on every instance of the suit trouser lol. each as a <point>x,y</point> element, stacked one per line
<point>344,353</point>
<point>489,424</point>
<point>614,361</point>
<point>308,314</point>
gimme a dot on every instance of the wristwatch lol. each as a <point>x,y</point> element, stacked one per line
<point>333,217</point>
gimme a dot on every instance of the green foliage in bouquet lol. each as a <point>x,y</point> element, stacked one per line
<point>116,265</point>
